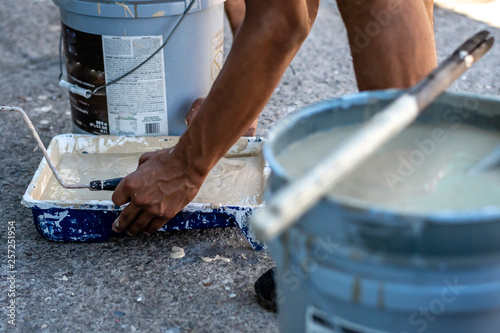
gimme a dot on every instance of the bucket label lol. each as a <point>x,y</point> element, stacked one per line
<point>137,104</point>
<point>216,54</point>
<point>85,68</point>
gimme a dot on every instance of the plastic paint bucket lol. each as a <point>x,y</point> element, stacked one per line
<point>347,268</point>
<point>105,39</point>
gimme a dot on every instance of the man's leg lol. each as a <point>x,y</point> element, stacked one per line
<point>429,6</point>
<point>392,41</point>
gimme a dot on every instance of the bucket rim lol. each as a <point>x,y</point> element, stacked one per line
<point>137,9</point>
<point>445,216</point>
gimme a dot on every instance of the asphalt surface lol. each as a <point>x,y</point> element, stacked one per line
<point>131,284</point>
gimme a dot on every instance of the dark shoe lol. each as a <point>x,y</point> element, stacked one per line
<point>266,290</point>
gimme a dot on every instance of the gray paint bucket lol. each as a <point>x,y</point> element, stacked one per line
<point>344,268</point>
<point>105,39</point>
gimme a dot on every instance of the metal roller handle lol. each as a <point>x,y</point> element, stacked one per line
<point>42,147</point>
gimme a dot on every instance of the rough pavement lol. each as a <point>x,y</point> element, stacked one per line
<point>131,284</point>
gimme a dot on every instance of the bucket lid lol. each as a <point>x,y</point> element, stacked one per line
<point>133,9</point>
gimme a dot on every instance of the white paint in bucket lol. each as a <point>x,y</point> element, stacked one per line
<point>105,40</point>
<point>352,267</point>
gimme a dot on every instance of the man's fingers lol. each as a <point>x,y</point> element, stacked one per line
<point>134,220</point>
<point>127,217</point>
<point>141,222</point>
<point>155,225</point>
<point>120,196</point>
<point>126,189</point>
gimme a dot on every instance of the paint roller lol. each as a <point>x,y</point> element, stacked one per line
<point>292,200</point>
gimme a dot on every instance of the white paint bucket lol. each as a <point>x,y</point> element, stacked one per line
<point>105,39</point>
<point>345,267</point>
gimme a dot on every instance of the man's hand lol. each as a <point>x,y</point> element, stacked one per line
<point>160,187</point>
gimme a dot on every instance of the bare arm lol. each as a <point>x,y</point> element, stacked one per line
<point>270,36</point>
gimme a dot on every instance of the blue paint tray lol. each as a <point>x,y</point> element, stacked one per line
<point>70,218</point>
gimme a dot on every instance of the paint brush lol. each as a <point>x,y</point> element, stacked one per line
<point>291,201</point>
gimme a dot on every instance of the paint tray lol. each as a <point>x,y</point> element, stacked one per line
<point>88,215</point>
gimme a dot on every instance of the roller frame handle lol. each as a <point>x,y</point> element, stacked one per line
<point>105,185</point>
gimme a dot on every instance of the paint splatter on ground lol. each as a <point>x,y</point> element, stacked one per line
<point>177,252</point>
<point>217,257</point>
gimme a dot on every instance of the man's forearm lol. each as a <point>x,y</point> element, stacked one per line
<point>269,38</point>
<point>167,180</point>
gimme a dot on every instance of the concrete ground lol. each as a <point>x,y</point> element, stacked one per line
<point>131,284</point>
